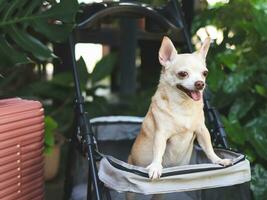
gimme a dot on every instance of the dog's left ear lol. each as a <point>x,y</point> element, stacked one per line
<point>205,48</point>
<point>167,52</point>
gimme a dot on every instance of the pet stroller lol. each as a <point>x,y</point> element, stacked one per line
<point>106,141</point>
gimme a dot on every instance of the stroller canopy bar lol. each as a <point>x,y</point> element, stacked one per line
<point>137,10</point>
<point>200,174</point>
<point>158,22</point>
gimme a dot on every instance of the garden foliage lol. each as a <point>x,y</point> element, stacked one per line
<point>26,29</point>
<point>26,24</point>
<point>238,79</point>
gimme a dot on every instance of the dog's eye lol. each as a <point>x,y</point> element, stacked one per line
<point>205,73</point>
<point>182,74</point>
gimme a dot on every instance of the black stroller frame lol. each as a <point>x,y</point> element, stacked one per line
<point>176,29</point>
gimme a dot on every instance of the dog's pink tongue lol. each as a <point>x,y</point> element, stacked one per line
<point>196,95</point>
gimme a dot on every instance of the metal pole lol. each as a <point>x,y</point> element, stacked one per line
<point>83,122</point>
<point>68,183</point>
<point>128,44</point>
<point>214,118</point>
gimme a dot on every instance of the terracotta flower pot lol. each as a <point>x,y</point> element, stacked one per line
<point>52,160</point>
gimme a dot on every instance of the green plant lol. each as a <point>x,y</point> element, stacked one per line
<point>238,77</point>
<point>26,26</point>
<point>26,29</point>
<point>60,92</point>
<point>50,128</point>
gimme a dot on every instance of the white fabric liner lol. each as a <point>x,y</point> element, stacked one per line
<point>123,181</point>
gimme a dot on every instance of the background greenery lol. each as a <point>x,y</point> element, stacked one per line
<point>238,79</point>
<point>238,71</point>
<point>27,30</point>
<point>24,23</point>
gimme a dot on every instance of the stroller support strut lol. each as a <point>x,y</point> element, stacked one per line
<point>86,132</point>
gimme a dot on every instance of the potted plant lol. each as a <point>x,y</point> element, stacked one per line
<point>52,144</point>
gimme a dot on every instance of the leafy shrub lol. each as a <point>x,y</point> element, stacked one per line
<point>50,128</point>
<point>238,74</point>
<point>25,24</point>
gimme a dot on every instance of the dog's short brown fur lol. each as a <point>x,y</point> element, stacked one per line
<point>175,117</point>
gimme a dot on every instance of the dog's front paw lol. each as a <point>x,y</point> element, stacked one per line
<point>224,162</point>
<point>154,170</point>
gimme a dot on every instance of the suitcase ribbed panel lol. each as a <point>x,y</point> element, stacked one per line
<point>28,139</point>
<point>21,149</point>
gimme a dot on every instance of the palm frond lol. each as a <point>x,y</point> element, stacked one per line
<point>22,22</point>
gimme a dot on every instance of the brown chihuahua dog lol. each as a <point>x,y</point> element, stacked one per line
<point>175,117</point>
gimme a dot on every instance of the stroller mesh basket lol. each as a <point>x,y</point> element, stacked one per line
<point>115,135</point>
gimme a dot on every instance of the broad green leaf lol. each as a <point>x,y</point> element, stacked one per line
<point>64,116</point>
<point>99,106</point>
<point>259,121</point>
<point>50,127</point>
<point>250,154</point>
<point>4,5</point>
<point>30,44</point>
<point>259,182</point>
<point>236,132</point>
<point>12,9</point>
<point>261,90</point>
<point>240,108</point>
<point>56,33</point>
<point>104,67</point>
<point>260,17</point>
<point>62,11</point>
<point>64,79</point>
<point>228,59</point>
<point>215,77</point>
<point>33,5</point>
<point>7,80</point>
<point>13,58</point>
<point>18,19</point>
<point>50,124</point>
<point>45,89</point>
<point>62,14</point>
<point>233,82</point>
<point>32,8</point>
<point>257,129</point>
<point>82,71</point>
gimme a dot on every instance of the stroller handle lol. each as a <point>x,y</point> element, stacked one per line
<point>123,9</point>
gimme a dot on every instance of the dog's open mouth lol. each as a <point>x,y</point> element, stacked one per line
<point>194,94</point>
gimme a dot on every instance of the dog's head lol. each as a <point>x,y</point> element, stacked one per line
<point>185,72</point>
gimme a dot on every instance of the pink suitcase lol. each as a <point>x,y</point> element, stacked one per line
<point>21,149</point>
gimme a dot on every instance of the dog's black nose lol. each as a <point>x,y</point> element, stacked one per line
<point>199,85</point>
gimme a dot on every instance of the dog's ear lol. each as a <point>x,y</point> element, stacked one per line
<point>167,52</point>
<point>205,48</point>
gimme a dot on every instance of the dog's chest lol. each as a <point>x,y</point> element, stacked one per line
<point>185,120</point>
<point>184,124</point>
<point>178,149</point>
